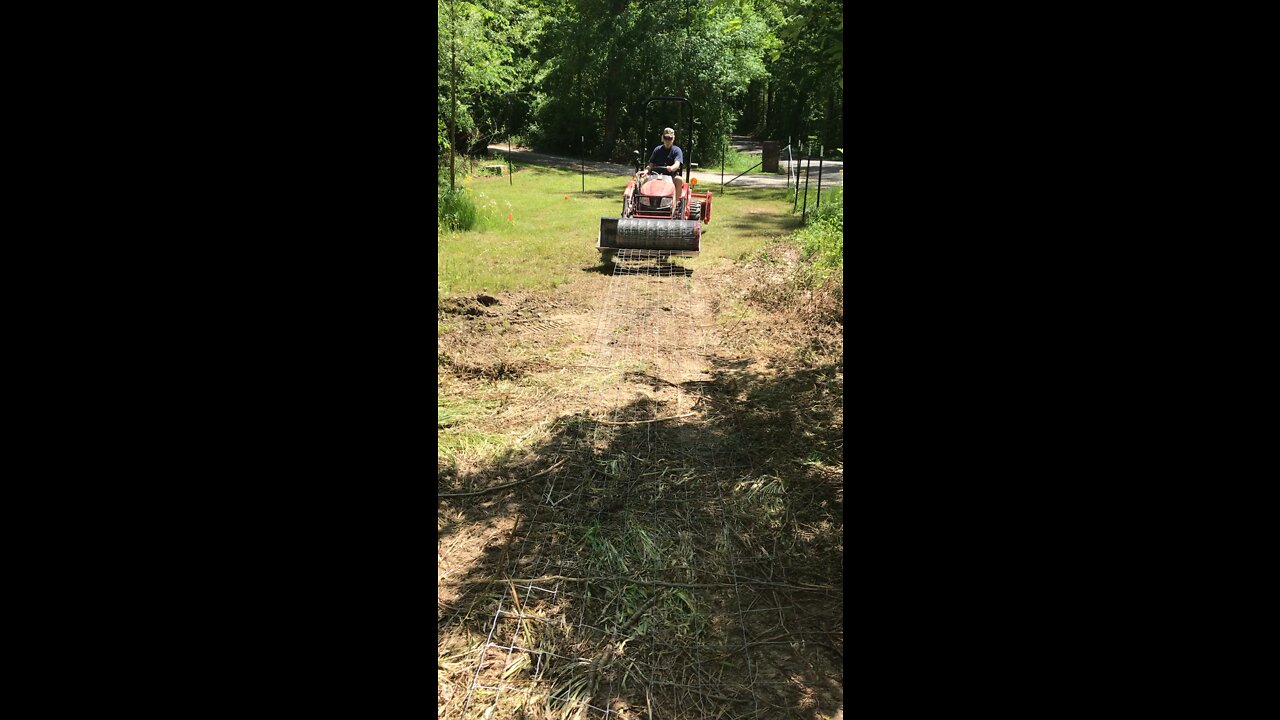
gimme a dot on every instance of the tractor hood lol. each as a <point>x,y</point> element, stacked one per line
<point>658,186</point>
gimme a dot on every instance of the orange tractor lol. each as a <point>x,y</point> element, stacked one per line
<point>653,218</point>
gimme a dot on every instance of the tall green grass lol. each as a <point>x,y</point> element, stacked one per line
<point>458,210</point>
<point>822,237</point>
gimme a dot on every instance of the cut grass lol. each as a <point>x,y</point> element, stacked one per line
<point>551,236</point>
<point>459,438</point>
<point>673,532</point>
<point>743,220</point>
<point>474,446</point>
<point>736,162</point>
<point>449,411</point>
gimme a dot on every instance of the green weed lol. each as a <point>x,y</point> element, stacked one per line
<point>602,555</point>
<point>458,210</point>
<point>822,238</point>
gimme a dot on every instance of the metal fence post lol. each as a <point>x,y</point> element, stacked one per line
<point>795,201</point>
<point>804,209</point>
<point>821,151</point>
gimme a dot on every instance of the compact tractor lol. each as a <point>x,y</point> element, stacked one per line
<point>653,218</point>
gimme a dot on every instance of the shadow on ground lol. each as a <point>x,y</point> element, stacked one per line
<point>777,224</point>
<point>689,567</point>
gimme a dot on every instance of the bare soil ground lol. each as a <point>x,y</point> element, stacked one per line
<point>641,505</point>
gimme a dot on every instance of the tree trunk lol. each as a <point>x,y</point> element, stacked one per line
<point>770,113</point>
<point>611,98</point>
<point>453,87</point>
<point>798,116</point>
<point>833,133</point>
<point>749,120</point>
<point>762,122</point>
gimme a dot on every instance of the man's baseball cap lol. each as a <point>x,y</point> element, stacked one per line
<point>668,132</point>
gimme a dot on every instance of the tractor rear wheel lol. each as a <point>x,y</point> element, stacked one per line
<point>695,210</point>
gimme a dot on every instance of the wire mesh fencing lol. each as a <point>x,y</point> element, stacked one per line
<point>655,573</point>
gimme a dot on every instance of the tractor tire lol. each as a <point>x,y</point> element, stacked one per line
<point>695,210</point>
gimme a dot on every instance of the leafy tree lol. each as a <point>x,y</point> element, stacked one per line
<point>492,41</point>
<point>806,91</point>
<point>573,75</point>
<point>603,59</point>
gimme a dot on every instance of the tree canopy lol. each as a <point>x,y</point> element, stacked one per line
<point>554,71</point>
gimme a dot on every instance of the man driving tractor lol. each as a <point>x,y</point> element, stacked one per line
<point>666,159</point>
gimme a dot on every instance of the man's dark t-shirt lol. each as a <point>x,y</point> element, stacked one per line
<point>661,158</point>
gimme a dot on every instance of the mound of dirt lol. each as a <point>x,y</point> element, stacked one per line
<point>474,306</point>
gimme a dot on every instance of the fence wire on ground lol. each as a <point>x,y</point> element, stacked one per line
<point>647,577</point>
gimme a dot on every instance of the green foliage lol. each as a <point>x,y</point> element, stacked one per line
<point>804,93</point>
<point>458,210</point>
<point>602,59</point>
<point>572,76</point>
<point>464,208</point>
<point>831,209</point>
<point>490,42</point>
<point>822,238</point>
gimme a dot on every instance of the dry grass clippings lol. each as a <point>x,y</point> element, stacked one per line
<point>669,566</point>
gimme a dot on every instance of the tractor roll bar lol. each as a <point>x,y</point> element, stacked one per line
<point>644,151</point>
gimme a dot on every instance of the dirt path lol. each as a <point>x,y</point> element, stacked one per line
<point>830,171</point>
<point>672,543</point>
